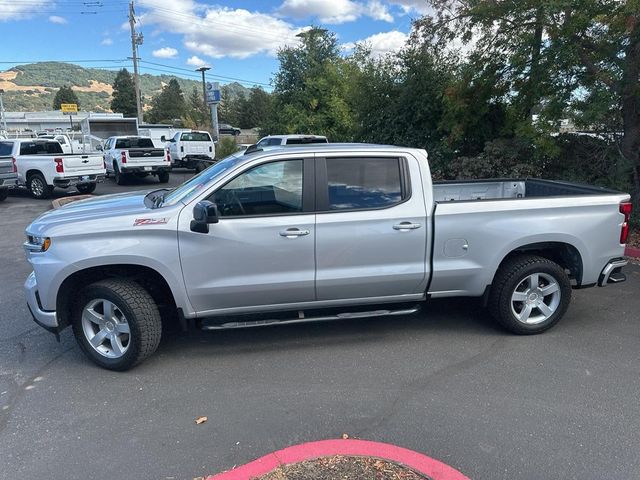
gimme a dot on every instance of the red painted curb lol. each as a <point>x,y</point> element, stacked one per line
<point>632,252</point>
<point>428,466</point>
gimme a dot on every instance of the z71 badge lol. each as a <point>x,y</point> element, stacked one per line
<point>139,222</point>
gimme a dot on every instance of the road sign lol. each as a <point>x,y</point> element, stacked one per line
<point>213,93</point>
<point>69,108</point>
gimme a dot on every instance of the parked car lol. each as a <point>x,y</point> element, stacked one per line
<point>226,129</point>
<point>192,150</point>
<point>326,232</point>
<point>42,165</point>
<point>278,140</point>
<point>131,155</point>
<point>8,170</point>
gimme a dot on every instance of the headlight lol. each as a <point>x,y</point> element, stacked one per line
<point>37,244</point>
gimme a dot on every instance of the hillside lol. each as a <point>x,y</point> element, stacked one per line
<point>32,87</point>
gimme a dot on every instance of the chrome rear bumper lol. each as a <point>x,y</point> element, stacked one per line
<point>612,272</point>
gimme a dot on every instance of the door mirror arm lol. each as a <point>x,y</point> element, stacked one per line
<point>204,214</point>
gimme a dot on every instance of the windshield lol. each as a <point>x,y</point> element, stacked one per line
<point>194,185</point>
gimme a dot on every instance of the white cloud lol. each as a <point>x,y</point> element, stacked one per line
<point>336,11</point>
<point>196,61</point>
<point>421,7</point>
<point>106,41</point>
<point>381,43</point>
<point>14,10</point>
<point>165,52</point>
<point>57,19</point>
<point>217,31</point>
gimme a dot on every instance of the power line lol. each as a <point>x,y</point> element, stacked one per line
<point>254,82</point>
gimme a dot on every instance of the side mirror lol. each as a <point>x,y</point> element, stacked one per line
<point>99,148</point>
<point>163,138</point>
<point>204,214</point>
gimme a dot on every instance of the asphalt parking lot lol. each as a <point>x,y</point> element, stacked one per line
<point>446,382</point>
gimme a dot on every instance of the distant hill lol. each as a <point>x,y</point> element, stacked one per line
<point>32,87</point>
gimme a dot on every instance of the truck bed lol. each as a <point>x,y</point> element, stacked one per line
<point>471,190</point>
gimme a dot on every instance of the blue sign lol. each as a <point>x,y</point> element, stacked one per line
<point>213,93</point>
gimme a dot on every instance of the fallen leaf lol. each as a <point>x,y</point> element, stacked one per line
<point>200,420</point>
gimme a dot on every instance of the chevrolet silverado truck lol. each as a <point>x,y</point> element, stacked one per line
<point>316,233</point>
<point>128,156</point>
<point>8,171</point>
<point>42,165</point>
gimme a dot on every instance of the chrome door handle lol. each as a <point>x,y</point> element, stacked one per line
<point>293,233</point>
<point>407,226</point>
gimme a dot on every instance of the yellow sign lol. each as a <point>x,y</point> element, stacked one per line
<point>69,107</point>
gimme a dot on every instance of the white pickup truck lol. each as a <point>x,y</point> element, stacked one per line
<point>131,155</point>
<point>316,233</point>
<point>192,150</point>
<point>42,165</point>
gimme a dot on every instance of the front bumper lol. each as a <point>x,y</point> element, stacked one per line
<point>46,319</point>
<point>80,179</point>
<point>612,272</point>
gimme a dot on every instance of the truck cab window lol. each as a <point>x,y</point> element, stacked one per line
<point>272,188</point>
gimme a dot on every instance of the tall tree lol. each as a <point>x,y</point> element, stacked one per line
<point>310,91</point>
<point>169,105</point>
<point>255,110</point>
<point>557,58</point>
<point>65,95</point>
<point>124,94</point>
<point>197,115</point>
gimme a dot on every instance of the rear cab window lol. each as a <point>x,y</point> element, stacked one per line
<point>363,183</point>
<point>196,137</point>
<point>126,143</point>
<point>40,148</point>
<point>6,149</point>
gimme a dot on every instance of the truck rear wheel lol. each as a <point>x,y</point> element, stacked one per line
<point>37,186</point>
<point>163,177</point>
<point>116,323</point>
<point>530,294</point>
<point>118,175</point>
<point>4,193</point>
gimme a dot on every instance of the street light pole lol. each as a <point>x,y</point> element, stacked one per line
<point>214,111</point>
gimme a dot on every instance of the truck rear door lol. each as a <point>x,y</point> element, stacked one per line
<point>79,164</point>
<point>371,227</point>
<point>141,151</point>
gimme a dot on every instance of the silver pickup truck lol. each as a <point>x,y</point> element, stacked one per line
<point>8,174</point>
<point>323,232</point>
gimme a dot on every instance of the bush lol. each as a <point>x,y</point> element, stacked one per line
<point>225,147</point>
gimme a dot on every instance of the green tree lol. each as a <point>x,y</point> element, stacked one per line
<point>124,94</point>
<point>558,59</point>
<point>310,94</point>
<point>254,110</point>
<point>65,95</point>
<point>169,105</point>
<point>197,114</point>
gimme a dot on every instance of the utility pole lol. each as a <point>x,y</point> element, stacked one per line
<point>204,83</point>
<point>136,39</point>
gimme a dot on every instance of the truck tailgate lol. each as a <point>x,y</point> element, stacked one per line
<point>6,165</point>
<point>81,164</point>
<point>196,148</point>
<point>146,156</point>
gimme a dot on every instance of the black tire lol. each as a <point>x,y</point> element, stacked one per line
<point>511,278</point>
<point>86,188</point>
<point>163,177</point>
<point>4,193</point>
<point>140,311</point>
<point>117,175</point>
<point>37,186</point>
<point>200,166</point>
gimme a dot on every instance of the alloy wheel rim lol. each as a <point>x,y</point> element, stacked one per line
<point>535,299</point>
<point>106,328</point>
<point>36,186</point>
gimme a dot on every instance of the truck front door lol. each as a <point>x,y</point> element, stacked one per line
<point>261,252</point>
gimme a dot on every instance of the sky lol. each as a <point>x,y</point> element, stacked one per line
<point>238,39</point>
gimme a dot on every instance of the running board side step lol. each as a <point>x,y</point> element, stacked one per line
<point>304,319</point>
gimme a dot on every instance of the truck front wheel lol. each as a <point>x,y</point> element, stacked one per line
<point>116,323</point>
<point>37,186</point>
<point>530,294</point>
<point>118,175</point>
